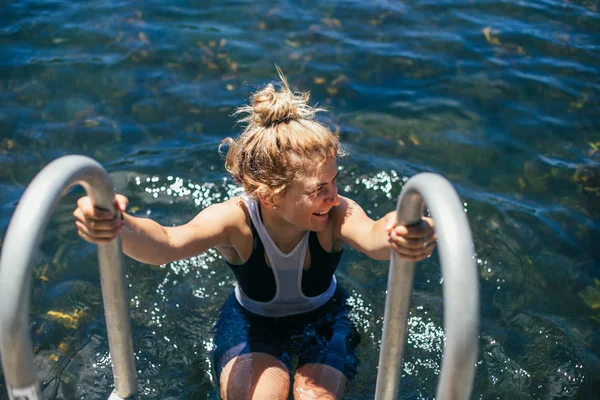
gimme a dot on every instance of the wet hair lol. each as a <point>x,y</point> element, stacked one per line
<point>281,139</point>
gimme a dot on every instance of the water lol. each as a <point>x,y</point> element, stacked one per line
<point>501,97</point>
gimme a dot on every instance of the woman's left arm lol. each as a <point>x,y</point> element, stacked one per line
<point>375,238</point>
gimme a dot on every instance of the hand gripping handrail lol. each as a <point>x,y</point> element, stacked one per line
<point>19,253</point>
<point>460,288</point>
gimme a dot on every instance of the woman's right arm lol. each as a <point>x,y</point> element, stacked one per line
<point>147,241</point>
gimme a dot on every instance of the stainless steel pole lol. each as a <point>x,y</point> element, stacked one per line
<point>460,288</point>
<point>19,253</point>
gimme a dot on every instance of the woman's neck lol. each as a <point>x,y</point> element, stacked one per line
<point>285,235</point>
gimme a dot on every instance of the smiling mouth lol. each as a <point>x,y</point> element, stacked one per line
<point>321,213</point>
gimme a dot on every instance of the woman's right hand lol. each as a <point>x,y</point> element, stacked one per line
<point>99,226</point>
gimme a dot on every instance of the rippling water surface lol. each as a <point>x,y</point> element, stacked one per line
<point>501,97</point>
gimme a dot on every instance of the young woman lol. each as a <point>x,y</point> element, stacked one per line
<point>283,240</point>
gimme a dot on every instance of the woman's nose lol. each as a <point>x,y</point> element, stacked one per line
<point>333,198</point>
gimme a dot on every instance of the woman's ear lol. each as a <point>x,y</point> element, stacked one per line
<point>266,199</point>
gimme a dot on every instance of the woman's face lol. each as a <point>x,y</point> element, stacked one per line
<point>307,203</point>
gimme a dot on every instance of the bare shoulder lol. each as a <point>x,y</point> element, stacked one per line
<point>230,213</point>
<point>238,213</point>
<point>238,230</point>
<point>224,226</point>
<point>346,210</point>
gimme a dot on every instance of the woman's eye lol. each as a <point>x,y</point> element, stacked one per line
<point>317,191</point>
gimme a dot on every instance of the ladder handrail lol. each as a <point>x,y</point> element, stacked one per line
<point>460,288</point>
<point>19,253</point>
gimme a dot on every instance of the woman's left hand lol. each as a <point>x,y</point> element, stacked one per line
<point>413,243</point>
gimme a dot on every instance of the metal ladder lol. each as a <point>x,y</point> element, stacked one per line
<point>21,246</point>
<point>26,228</point>
<point>461,291</point>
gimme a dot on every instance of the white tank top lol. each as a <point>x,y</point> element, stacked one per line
<point>287,270</point>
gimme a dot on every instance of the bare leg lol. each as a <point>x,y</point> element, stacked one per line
<point>255,376</point>
<point>318,381</point>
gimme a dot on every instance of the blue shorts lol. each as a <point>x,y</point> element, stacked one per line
<point>324,336</point>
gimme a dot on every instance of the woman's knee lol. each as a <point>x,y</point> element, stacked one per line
<point>319,381</point>
<point>255,376</point>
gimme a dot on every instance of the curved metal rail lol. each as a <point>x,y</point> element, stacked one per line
<point>461,291</point>
<point>19,253</point>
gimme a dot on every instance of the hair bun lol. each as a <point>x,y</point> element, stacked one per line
<point>271,106</point>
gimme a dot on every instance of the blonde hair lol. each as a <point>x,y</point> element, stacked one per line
<point>280,138</point>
